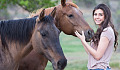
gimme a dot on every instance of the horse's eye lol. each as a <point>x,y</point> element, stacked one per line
<point>70,15</point>
<point>42,33</point>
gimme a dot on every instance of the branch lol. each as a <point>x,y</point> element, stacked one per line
<point>23,7</point>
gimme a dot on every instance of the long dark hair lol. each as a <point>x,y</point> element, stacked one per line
<point>107,20</point>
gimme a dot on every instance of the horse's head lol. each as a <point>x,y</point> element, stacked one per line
<point>70,19</point>
<point>46,40</point>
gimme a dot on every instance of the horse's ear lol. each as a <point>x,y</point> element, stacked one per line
<point>69,1</point>
<point>42,14</point>
<point>53,12</point>
<point>63,3</point>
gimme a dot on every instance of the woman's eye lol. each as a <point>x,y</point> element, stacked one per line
<point>70,15</point>
<point>101,14</point>
<point>95,14</point>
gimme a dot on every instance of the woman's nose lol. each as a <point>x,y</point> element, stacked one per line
<point>97,16</point>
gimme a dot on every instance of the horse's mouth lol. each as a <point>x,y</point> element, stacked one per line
<point>88,40</point>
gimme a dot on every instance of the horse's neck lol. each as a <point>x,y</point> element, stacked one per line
<point>9,59</point>
<point>6,61</point>
<point>48,11</point>
<point>57,18</point>
<point>13,49</point>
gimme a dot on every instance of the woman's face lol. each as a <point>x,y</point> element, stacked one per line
<point>98,16</point>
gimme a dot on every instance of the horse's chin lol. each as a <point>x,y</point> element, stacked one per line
<point>54,64</point>
<point>60,65</point>
<point>57,69</point>
<point>88,40</point>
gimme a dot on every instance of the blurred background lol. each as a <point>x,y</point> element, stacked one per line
<point>72,47</point>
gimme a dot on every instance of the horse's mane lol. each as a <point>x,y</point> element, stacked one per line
<point>48,10</point>
<point>47,19</point>
<point>17,30</point>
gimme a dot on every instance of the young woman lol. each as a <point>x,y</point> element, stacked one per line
<point>104,41</point>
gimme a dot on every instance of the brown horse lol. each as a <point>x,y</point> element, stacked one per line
<point>68,18</point>
<point>18,36</point>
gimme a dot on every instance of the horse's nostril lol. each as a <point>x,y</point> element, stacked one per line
<point>89,32</point>
<point>89,35</point>
<point>62,63</point>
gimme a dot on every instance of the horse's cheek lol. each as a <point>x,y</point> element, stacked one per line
<point>36,40</point>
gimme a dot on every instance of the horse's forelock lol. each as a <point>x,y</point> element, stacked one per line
<point>48,19</point>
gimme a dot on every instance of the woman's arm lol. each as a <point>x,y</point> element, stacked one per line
<point>77,34</point>
<point>97,54</point>
<point>85,49</point>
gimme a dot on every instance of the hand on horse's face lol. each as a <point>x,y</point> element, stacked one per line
<point>81,37</point>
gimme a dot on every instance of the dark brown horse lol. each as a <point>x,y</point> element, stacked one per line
<point>18,36</point>
<point>68,18</point>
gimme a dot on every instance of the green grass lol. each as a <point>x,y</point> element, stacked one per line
<point>76,55</point>
<point>70,43</point>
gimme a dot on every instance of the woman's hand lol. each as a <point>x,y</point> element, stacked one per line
<point>81,37</point>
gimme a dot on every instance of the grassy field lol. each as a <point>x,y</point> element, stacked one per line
<point>76,55</point>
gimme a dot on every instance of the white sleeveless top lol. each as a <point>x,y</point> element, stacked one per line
<point>103,63</point>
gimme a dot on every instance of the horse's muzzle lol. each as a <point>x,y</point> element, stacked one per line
<point>89,35</point>
<point>61,64</point>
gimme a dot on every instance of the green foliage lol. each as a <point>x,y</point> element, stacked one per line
<point>115,65</point>
<point>118,16</point>
<point>29,5</point>
<point>118,12</point>
<point>5,3</point>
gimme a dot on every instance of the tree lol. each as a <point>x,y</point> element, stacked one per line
<point>29,5</point>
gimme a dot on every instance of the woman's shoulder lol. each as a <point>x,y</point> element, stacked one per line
<point>108,30</point>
